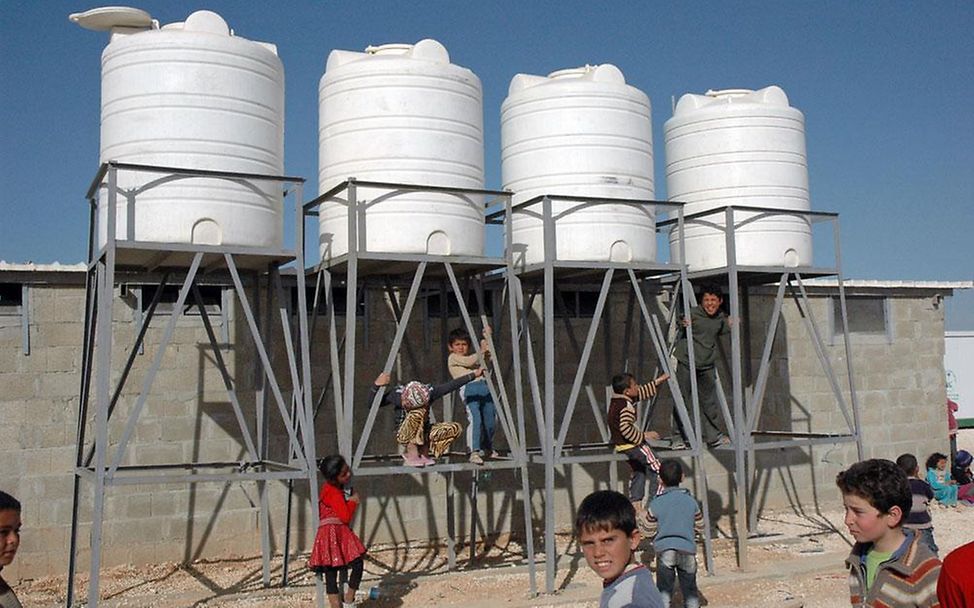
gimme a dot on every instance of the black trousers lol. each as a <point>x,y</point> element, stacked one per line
<point>354,567</point>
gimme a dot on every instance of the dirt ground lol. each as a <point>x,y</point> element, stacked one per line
<point>794,560</point>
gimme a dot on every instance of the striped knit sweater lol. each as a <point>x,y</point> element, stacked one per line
<point>907,579</point>
<point>625,433</point>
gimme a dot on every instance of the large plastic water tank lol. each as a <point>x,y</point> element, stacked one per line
<point>740,147</point>
<point>402,113</point>
<point>580,132</point>
<point>191,95</point>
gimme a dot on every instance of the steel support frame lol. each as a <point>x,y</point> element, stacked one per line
<point>93,460</point>
<point>746,410</point>
<point>343,367</point>
<point>552,447</point>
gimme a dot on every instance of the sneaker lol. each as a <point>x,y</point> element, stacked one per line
<point>721,440</point>
<point>475,458</point>
<point>677,444</point>
<point>495,454</point>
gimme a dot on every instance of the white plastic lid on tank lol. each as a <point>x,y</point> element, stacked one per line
<point>190,95</point>
<point>402,113</point>
<point>747,148</point>
<point>580,132</point>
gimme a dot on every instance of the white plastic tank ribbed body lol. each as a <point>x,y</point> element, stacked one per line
<point>193,95</point>
<point>403,114</point>
<point>746,148</point>
<point>580,132</point>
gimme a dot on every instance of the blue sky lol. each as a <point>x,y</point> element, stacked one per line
<point>886,89</point>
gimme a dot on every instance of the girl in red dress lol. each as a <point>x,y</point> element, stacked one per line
<point>336,546</point>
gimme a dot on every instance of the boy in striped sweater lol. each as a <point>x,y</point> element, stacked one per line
<point>632,441</point>
<point>888,566</point>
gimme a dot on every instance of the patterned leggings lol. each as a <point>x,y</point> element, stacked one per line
<point>441,434</point>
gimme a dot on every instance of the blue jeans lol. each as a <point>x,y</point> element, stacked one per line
<point>672,564</point>
<point>483,417</point>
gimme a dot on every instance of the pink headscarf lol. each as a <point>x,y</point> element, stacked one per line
<point>415,395</point>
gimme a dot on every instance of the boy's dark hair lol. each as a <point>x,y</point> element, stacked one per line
<point>8,502</point>
<point>620,382</point>
<point>457,334</point>
<point>934,458</point>
<point>331,466</point>
<point>908,463</point>
<point>712,289</point>
<point>880,482</point>
<point>671,473</point>
<point>606,510</point>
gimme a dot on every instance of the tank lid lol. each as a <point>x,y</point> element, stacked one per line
<point>572,72</point>
<point>606,73</point>
<point>388,49</point>
<point>207,22</point>
<point>105,18</point>
<point>426,49</point>
<point>771,95</point>
<point>717,94</point>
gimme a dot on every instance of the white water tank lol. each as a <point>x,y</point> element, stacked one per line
<point>740,147</point>
<point>191,95</point>
<point>580,132</point>
<point>402,113</point>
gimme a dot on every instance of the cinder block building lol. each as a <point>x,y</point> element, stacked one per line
<point>897,343</point>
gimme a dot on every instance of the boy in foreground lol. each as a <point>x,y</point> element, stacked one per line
<point>9,543</point>
<point>606,528</point>
<point>888,566</point>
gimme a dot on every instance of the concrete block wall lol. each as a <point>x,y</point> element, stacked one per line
<point>187,417</point>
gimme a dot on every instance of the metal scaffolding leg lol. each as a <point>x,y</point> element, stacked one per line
<point>741,436</point>
<point>94,461</point>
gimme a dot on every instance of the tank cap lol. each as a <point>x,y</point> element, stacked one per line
<point>427,49</point>
<point>728,93</point>
<point>394,48</point>
<point>105,18</point>
<point>604,73</point>
<point>207,22</point>
<point>771,95</point>
<point>572,72</point>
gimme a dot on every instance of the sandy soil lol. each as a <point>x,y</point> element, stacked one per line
<point>794,560</point>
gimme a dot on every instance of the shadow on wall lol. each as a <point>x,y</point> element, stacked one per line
<point>409,509</point>
<point>781,477</point>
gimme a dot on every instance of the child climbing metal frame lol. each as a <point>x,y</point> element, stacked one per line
<point>553,450</point>
<point>743,421</point>
<point>226,265</point>
<point>352,268</point>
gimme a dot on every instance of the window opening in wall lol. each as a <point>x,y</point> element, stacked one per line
<point>868,316</point>
<point>11,298</point>
<point>341,298</point>
<point>579,304</point>
<point>434,305</point>
<point>212,299</point>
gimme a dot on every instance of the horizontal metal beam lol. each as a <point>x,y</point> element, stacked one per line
<point>204,172</point>
<point>815,215</point>
<point>451,467</point>
<point>172,477</point>
<point>397,186</point>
